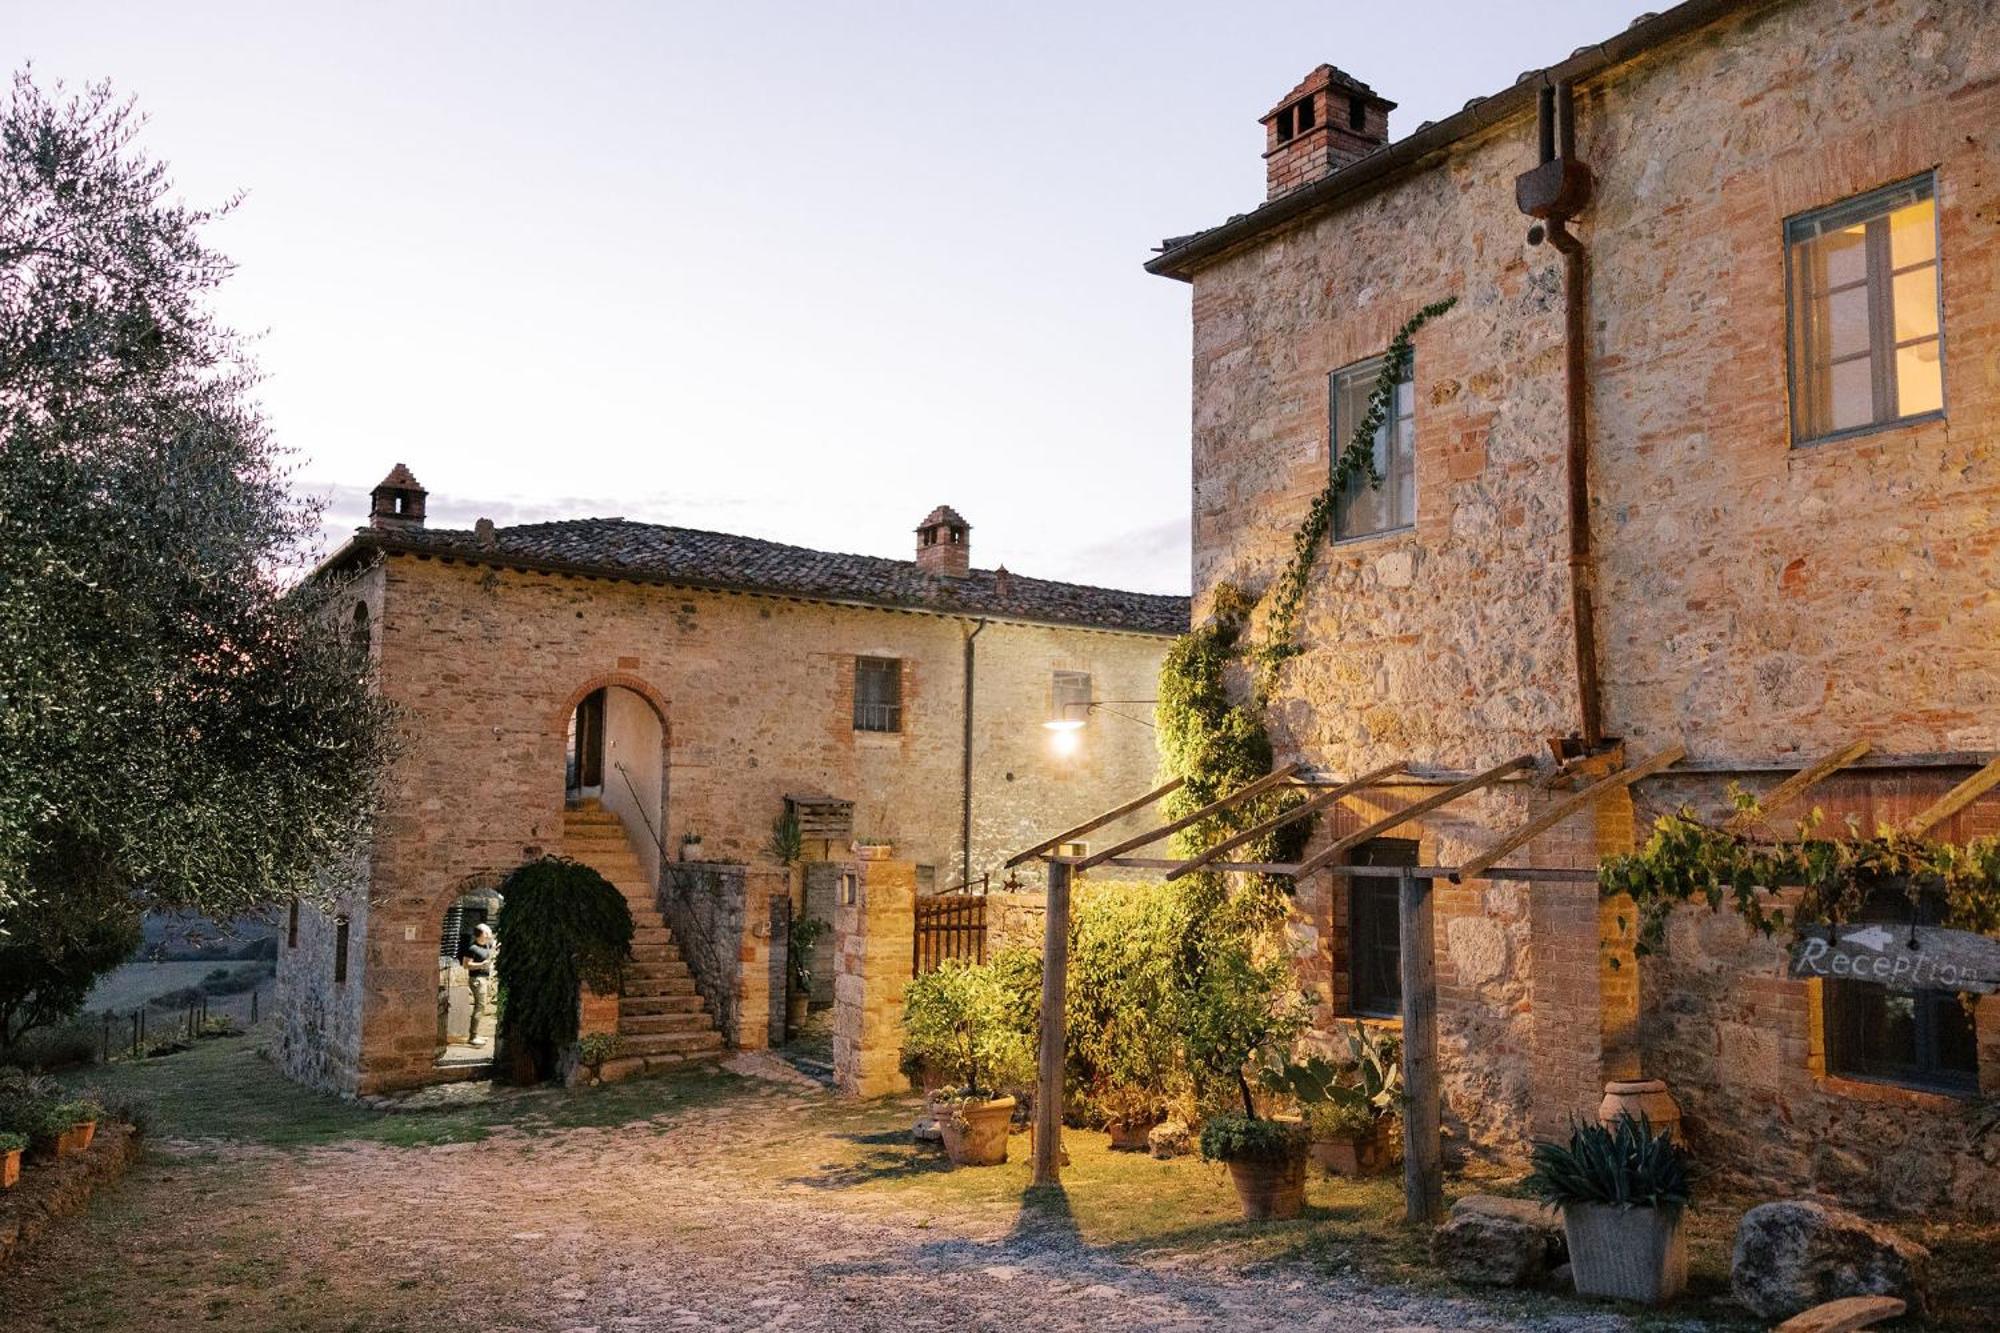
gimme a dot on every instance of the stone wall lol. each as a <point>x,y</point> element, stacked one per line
<point>1755,601</point>
<point>721,918</point>
<point>754,696</point>
<point>873,925</point>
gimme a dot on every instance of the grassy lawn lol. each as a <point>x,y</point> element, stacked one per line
<point>221,1089</point>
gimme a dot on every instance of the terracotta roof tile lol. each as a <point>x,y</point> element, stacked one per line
<point>613,547</point>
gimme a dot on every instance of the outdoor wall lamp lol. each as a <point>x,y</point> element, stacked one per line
<point>1063,722</point>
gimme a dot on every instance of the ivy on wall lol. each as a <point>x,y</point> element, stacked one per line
<point>1688,860</point>
<point>1356,460</point>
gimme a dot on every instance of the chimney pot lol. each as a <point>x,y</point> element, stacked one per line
<point>1328,121</point>
<point>944,543</point>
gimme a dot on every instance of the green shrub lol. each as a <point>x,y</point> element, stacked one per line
<point>1242,1138</point>
<point>562,925</point>
<point>10,1142</point>
<point>956,1020</point>
<point>806,933</point>
<point>25,1101</point>
<point>1627,1165</point>
<point>58,1047</point>
<point>1124,1010</point>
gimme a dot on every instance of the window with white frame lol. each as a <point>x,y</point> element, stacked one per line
<point>1867,330</point>
<point>1363,509</point>
<point>1069,697</point>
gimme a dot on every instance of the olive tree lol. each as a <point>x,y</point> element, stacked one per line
<point>180,724</point>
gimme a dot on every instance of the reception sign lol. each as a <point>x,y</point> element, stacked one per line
<point>1900,957</point>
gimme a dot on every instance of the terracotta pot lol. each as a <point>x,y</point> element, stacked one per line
<point>1130,1135</point>
<point>75,1139</point>
<point>1270,1190</point>
<point>1368,1154</point>
<point>1628,1254</point>
<point>1636,1097</point>
<point>10,1168</point>
<point>975,1133</point>
<point>873,851</point>
<point>797,1004</point>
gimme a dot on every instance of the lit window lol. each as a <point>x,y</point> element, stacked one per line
<point>1867,335</point>
<point>878,694</point>
<point>1362,509</point>
<point>1922,1039</point>
<point>1374,929</point>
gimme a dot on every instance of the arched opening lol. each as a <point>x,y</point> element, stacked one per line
<point>357,630</point>
<point>615,756</point>
<point>467,991</point>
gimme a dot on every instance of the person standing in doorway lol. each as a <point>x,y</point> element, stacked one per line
<point>479,957</point>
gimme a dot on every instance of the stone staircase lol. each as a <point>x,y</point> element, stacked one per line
<point>662,1020</point>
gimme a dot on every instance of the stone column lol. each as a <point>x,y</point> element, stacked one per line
<point>874,920</point>
<point>754,998</point>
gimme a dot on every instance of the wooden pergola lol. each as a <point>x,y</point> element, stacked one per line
<point>1599,776</point>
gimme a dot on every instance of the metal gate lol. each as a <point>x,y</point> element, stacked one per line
<point>948,926</point>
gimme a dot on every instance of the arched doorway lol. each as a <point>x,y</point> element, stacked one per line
<point>467,1018</point>
<point>614,757</point>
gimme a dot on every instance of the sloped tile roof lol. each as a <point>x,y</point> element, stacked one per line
<point>651,552</point>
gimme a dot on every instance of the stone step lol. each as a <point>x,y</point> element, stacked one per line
<point>671,1043</point>
<point>639,1006</point>
<point>650,987</point>
<point>657,971</point>
<point>656,953</point>
<point>635,1066</point>
<point>657,1025</point>
<point>651,934</point>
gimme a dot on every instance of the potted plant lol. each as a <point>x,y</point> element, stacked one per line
<point>804,935</point>
<point>690,846</point>
<point>11,1147</point>
<point>593,1049</point>
<point>1622,1191</point>
<point>1123,1043</point>
<point>1350,1108</point>
<point>58,1129</point>
<point>1240,1005</point>
<point>874,849</point>
<point>955,1020</point>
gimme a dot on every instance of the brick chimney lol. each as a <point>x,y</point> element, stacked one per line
<point>1328,121</point>
<point>397,501</point>
<point>944,544</point>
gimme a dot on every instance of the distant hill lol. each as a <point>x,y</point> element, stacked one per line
<point>178,937</point>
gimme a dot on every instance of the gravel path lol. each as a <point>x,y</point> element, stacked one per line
<point>641,1227</point>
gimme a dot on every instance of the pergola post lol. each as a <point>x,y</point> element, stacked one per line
<point>1055,989</point>
<point>1423,1109</point>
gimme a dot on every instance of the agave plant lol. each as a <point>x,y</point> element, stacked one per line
<point>1627,1165</point>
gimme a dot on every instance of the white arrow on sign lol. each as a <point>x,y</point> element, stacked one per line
<point>1873,937</point>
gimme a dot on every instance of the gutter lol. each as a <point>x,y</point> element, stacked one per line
<point>1364,177</point>
<point>965,788</point>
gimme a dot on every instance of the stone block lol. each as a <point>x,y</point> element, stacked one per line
<point>1799,1253</point>
<point>1497,1242</point>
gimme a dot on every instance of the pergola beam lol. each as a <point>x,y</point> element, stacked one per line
<point>1563,809</point>
<point>1069,835</point>
<point>1244,793</point>
<point>1955,800</point>
<point>1798,784</point>
<point>1414,809</point>
<point>1319,802</point>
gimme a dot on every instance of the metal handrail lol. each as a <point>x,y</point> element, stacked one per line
<point>640,806</point>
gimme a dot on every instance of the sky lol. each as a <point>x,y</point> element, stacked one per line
<point>800,271</point>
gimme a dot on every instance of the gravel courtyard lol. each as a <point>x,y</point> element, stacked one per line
<point>730,1203</point>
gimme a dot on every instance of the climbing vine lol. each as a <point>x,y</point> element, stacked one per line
<point>1688,860</point>
<point>1356,459</point>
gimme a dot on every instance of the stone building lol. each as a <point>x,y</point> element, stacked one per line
<point>650,700</point>
<point>1769,234</point>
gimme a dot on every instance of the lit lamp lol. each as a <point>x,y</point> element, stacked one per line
<point>1066,726</point>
